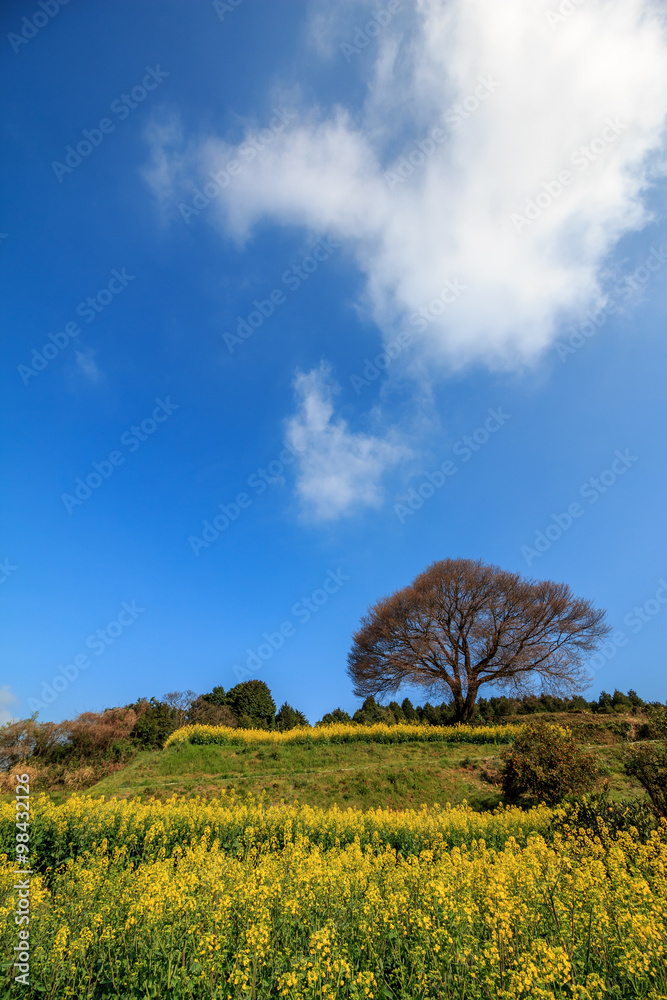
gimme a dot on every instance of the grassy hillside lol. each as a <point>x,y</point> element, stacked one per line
<point>396,776</point>
<point>364,774</point>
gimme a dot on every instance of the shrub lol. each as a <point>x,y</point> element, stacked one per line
<point>601,816</point>
<point>546,763</point>
<point>156,721</point>
<point>371,713</point>
<point>648,763</point>
<point>338,715</point>
<point>24,738</point>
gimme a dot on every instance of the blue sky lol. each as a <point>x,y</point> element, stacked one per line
<point>417,210</point>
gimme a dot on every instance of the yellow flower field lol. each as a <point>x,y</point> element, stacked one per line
<point>347,732</point>
<point>233,899</point>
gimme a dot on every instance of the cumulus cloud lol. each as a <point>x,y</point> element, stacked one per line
<point>516,100</point>
<point>338,471</point>
<point>7,698</point>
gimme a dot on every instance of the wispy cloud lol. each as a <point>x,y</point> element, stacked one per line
<point>454,215</point>
<point>85,360</point>
<point>7,698</point>
<point>338,471</point>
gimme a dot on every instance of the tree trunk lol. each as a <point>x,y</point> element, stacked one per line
<point>465,710</point>
<point>459,704</point>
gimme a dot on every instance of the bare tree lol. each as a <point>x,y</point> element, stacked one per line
<point>462,624</point>
<point>181,701</point>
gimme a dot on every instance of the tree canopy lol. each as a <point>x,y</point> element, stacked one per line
<point>252,704</point>
<point>462,624</point>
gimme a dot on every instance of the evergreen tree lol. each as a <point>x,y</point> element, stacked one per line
<point>289,718</point>
<point>409,712</point>
<point>252,704</point>
<point>338,715</point>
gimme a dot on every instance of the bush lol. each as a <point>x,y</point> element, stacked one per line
<point>156,721</point>
<point>371,713</point>
<point>338,715</point>
<point>546,763</point>
<point>601,816</point>
<point>648,763</point>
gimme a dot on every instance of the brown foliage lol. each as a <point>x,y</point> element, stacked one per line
<point>181,701</point>
<point>205,714</point>
<point>25,738</point>
<point>462,624</point>
<point>94,732</point>
<point>80,778</point>
<point>8,780</point>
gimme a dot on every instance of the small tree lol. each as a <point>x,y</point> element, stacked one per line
<point>396,711</point>
<point>409,711</point>
<point>338,715</point>
<point>156,721</point>
<point>252,704</point>
<point>215,697</point>
<point>546,763</point>
<point>208,713</point>
<point>180,701</point>
<point>462,624</point>
<point>289,718</point>
<point>371,713</point>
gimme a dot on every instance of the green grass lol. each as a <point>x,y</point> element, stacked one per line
<point>396,776</point>
<point>366,775</point>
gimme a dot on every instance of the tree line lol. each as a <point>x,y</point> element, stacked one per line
<point>113,736</point>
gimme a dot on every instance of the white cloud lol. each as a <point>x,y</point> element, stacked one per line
<point>165,137</point>
<point>85,360</point>
<point>6,699</point>
<point>455,216</point>
<point>338,471</point>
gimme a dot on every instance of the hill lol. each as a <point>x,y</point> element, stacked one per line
<point>365,775</point>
